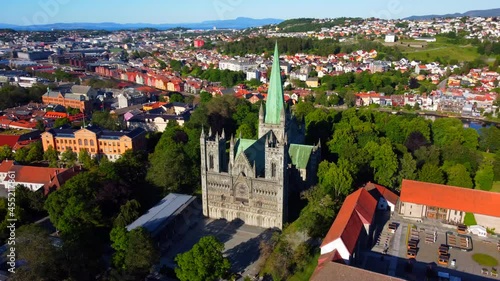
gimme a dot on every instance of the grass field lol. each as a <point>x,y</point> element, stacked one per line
<point>14,132</point>
<point>469,219</point>
<point>444,52</point>
<point>485,260</point>
<point>115,50</point>
<point>496,187</point>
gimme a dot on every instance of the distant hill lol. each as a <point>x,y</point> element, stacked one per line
<point>238,23</point>
<point>476,13</point>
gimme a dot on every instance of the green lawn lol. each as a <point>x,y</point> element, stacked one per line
<point>14,132</point>
<point>115,50</point>
<point>469,219</point>
<point>485,260</point>
<point>496,187</point>
<point>443,51</point>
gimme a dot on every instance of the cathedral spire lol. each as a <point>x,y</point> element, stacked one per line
<point>202,132</point>
<point>275,100</point>
<point>210,132</point>
<point>261,113</point>
<point>223,135</point>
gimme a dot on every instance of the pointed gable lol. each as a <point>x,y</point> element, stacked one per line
<point>275,100</point>
<point>378,191</point>
<point>358,209</point>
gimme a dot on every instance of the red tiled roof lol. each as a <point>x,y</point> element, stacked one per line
<point>384,192</point>
<point>333,271</point>
<point>451,197</point>
<point>9,140</point>
<point>6,165</point>
<point>35,174</point>
<point>49,177</point>
<point>357,209</point>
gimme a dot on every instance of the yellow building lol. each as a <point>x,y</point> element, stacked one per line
<point>97,142</point>
<point>312,82</point>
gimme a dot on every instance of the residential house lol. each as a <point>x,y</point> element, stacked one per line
<point>312,82</point>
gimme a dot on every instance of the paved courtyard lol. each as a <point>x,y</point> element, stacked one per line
<point>395,263</point>
<point>241,243</point>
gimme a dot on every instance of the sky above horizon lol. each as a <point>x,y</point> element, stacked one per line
<point>35,12</point>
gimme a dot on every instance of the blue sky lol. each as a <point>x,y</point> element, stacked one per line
<point>25,12</point>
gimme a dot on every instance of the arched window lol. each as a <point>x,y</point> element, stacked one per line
<point>91,142</point>
<point>273,170</point>
<point>79,142</point>
<point>211,162</point>
<point>86,142</point>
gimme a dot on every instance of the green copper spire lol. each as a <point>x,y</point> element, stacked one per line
<point>274,103</point>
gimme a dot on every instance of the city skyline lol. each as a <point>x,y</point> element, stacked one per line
<point>31,12</point>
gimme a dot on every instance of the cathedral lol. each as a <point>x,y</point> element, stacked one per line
<point>253,182</point>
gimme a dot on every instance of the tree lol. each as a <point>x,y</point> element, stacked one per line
<point>73,208</point>
<point>335,179</point>
<point>447,131</point>
<point>6,153</point>
<point>407,168</point>
<point>427,155</point>
<point>484,178</point>
<point>105,120</point>
<point>69,157</point>
<point>34,247</point>
<point>35,153</point>
<point>459,176</point>
<point>350,99</point>
<point>61,122</point>
<point>132,167</point>
<point>204,262</point>
<point>431,173</point>
<point>316,218</point>
<point>85,159</point>
<point>173,167</point>
<point>384,163</point>
<point>490,139</point>
<point>141,253</point>
<point>29,204</point>
<point>40,125</point>
<point>21,155</point>
<point>176,97</point>
<point>119,243</point>
<point>470,138</point>
<point>205,97</point>
<point>129,212</point>
<point>302,109</point>
<point>50,155</point>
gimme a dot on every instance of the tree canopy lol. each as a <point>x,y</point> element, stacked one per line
<point>204,262</point>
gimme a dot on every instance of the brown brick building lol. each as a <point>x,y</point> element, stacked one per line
<point>80,97</point>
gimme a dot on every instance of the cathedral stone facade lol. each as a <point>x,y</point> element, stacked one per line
<point>254,180</point>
